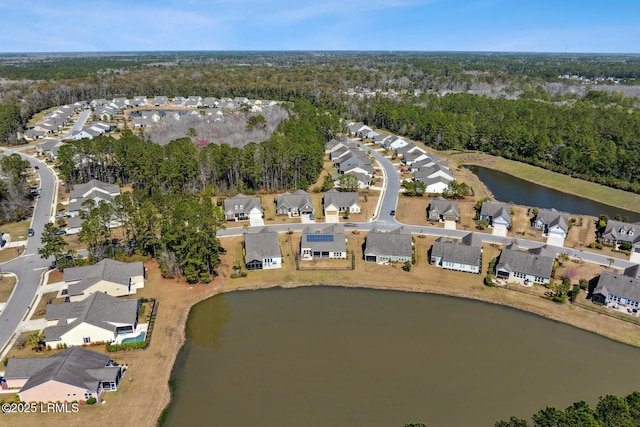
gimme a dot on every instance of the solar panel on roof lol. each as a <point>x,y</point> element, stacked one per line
<point>320,238</point>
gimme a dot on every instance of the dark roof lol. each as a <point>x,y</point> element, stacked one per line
<point>74,366</point>
<point>496,210</point>
<point>552,217</point>
<point>299,199</point>
<point>529,263</point>
<point>466,251</point>
<point>619,284</point>
<point>443,206</point>
<point>261,245</point>
<point>396,242</point>
<point>98,309</point>
<point>334,242</point>
<point>624,231</point>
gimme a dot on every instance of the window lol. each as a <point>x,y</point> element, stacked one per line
<point>86,340</point>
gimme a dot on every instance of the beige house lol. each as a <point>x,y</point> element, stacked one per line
<point>110,277</point>
<point>96,319</point>
<point>73,374</point>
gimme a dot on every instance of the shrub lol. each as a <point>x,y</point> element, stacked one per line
<point>488,281</point>
<point>129,346</point>
<point>407,266</point>
<point>91,401</point>
<point>559,299</point>
<point>584,284</point>
<point>5,361</point>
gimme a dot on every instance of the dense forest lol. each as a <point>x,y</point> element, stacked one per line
<point>596,139</point>
<point>611,411</point>
<point>15,195</point>
<point>170,214</point>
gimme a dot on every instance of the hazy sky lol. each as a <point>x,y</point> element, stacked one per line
<point>426,25</point>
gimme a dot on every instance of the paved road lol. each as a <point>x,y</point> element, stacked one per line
<point>28,267</point>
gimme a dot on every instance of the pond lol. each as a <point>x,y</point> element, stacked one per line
<point>509,189</point>
<point>323,356</point>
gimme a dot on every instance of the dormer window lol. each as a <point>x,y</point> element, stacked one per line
<point>630,232</point>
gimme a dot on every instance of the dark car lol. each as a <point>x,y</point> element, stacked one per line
<point>36,167</point>
<point>350,224</point>
<point>30,232</point>
<point>393,212</point>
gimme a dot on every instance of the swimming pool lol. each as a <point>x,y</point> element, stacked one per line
<point>139,338</point>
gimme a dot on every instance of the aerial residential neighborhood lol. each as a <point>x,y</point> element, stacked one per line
<point>133,214</point>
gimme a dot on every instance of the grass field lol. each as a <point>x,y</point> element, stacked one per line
<point>18,230</point>
<point>7,283</point>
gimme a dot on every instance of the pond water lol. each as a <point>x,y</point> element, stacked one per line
<point>323,356</point>
<point>510,189</point>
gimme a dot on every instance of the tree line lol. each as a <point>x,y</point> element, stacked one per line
<point>590,140</point>
<point>170,214</point>
<point>15,194</point>
<point>610,411</point>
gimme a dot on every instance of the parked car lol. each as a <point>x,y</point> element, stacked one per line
<point>36,167</point>
<point>59,232</point>
<point>393,212</point>
<point>30,232</point>
<point>60,216</point>
<point>350,224</point>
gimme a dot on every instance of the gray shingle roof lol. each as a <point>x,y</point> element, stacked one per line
<point>107,269</point>
<point>340,199</point>
<point>338,244</point>
<point>618,230</point>
<point>80,189</point>
<point>552,217</point>
<point>496,210</point>
<point>395,243</point>
<point>300,199</point>
<point>444,207</point>
<point>467,251</point>
<point>261,245</point>
<point>75,366</point>
<point>241,204</point>
<point>529,263</point>
<point>619,284</point>
<point>98,309</point>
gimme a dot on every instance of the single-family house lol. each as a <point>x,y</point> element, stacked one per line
<point>618,232</point>
<point>335,202</point>
<point>335,144</point>
<point>441,209</point>
<point>554,225</point>
<point>527,267</point>
<point>120,103</point>
<point>179,101</point>
<point>323,242</point>
<point>498,214</point>
<point>262,250</point>
<point>400,147</point>
<point>358,129</point>
<point>395,143</point>
<point>381,138</point>
<point>464,255</point>
<point>619,289</point>
<point>193,101</point>
<point>160,101</point>
<point>32,134</point>
<point>93,190</point>
<point>242,208</point>
<point>295,204</point>
<point>74,374</point>
<point>414,156</point>
<point>108,276</point>
<point>74,224</point>
<point>49,148</point>
<point>210,102</point>
<point>139,101</point>
<point>386,247</point>
<point>98,318</point>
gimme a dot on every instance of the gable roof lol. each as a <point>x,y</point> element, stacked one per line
<point>619,284</point>
<point>79,190</point>
<point>299,199</point>
<point>442,206</point>
<point>241,203</point>
<point>74,366</point>
<point>466,251</point>
<point>527,262</point>
<point>552,217</point>
<point>337,242</point>
<point>625,231</point>
<point>496,210</point>
<point>340,199</point>
<point>262,244</point>
<point>107,269</point>
<point>98,309</point>
<point>396,242</point>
